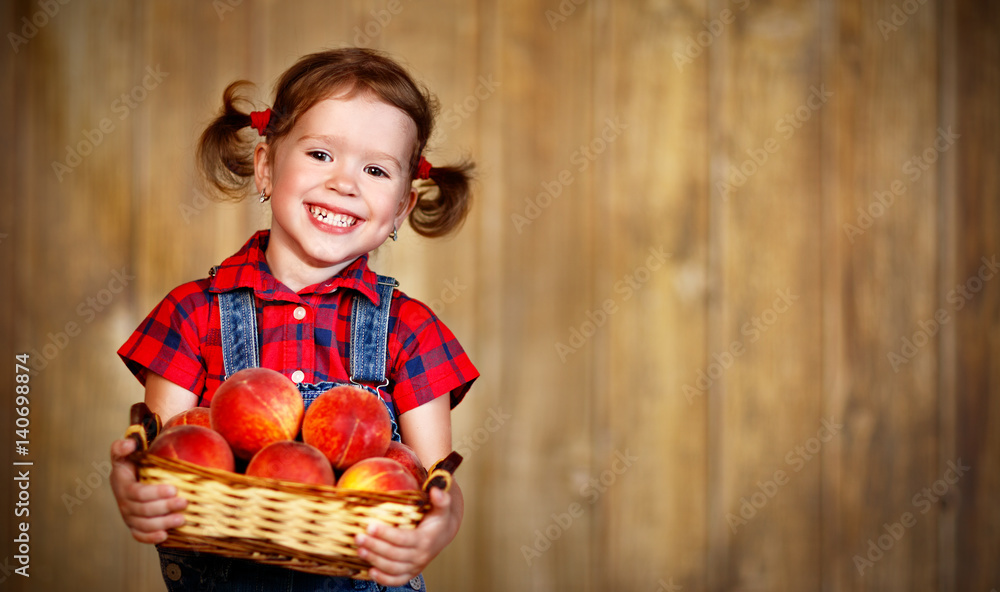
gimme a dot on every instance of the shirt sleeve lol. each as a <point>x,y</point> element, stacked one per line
<point>429,362</point>
<point>168,341</point>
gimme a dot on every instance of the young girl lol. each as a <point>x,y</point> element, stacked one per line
<point>342,146</point>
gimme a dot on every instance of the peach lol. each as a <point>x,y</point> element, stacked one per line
<point>405,456</point>
<point>193,416</point>
<point>255,407</point>
<point>347,424</point>
<point>291,461</point>
<point>194,444</point>
<point>378,474</point>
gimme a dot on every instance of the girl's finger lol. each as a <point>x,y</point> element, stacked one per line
<point>122,448</point>
<point>148,493</point>
<point>155,509</point>
<point>383,534</point>
<point>151,538</point>
<point>154,526</point>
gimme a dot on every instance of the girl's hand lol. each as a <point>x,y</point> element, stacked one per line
<point>399,555</point>
<point>148,510</point>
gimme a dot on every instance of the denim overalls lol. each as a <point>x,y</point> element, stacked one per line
<point>190,571</point>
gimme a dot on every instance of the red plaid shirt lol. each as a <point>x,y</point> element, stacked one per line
<point>181,338</point>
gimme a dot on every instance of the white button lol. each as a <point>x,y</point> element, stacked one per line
<point>298,376</point>
<point>299,313</point>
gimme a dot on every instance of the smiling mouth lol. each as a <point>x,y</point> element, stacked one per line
<point>327,217</point>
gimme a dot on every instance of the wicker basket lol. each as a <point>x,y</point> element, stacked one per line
<point>309,528</point>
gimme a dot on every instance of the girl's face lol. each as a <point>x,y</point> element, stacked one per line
<point>339,182</point>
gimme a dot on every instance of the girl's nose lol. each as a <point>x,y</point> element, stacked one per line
<point>341,179</point>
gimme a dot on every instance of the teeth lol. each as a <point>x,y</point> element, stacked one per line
<point>323,215</point>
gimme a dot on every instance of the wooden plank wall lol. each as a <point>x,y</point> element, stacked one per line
<point>729,277</point>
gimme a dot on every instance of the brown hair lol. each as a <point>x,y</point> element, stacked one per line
<point>225,151</point>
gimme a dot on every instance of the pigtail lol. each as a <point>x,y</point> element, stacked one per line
<point>441,212</point>
<point>225,150</point>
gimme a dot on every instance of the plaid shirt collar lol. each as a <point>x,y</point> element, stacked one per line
<point>248,269</point>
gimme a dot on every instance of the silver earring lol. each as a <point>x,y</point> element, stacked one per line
<point>263,197</point>
<point>394,234</point>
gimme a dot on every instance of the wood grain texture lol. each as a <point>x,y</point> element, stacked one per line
<point>652,283</point>
<point>702,277</point>
<point>769,298</point>
<point>976,386</point>
<point>10,264</point>
<point>547,274</point>
<point>885,112</point>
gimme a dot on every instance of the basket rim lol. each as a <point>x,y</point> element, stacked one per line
<point>241,481</point>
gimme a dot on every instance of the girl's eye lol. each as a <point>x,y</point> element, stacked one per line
<point>320,155</point>
<point>375,171</point>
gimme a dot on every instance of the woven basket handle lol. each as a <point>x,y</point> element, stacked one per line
<point>442,473</point>
<point>145,425</point>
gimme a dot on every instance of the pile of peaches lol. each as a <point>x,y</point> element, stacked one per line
<point>257,420</point>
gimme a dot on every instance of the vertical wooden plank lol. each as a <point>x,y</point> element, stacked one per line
<point>883,234</point>
<point>947,248</point>
<point>972,283</point>
<point>650,296</point>
<point>486,481</point>
<point>833,341</point>
<point>543,522</point>
<point>763,364</point>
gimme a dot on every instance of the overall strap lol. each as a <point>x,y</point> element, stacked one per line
<point>369,335</point>
<point>240,346</point>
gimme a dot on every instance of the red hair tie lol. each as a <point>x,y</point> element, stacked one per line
<point>259,121</point>
<point>423,168</point>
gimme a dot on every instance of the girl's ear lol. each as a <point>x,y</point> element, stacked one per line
<point>262,168</point>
